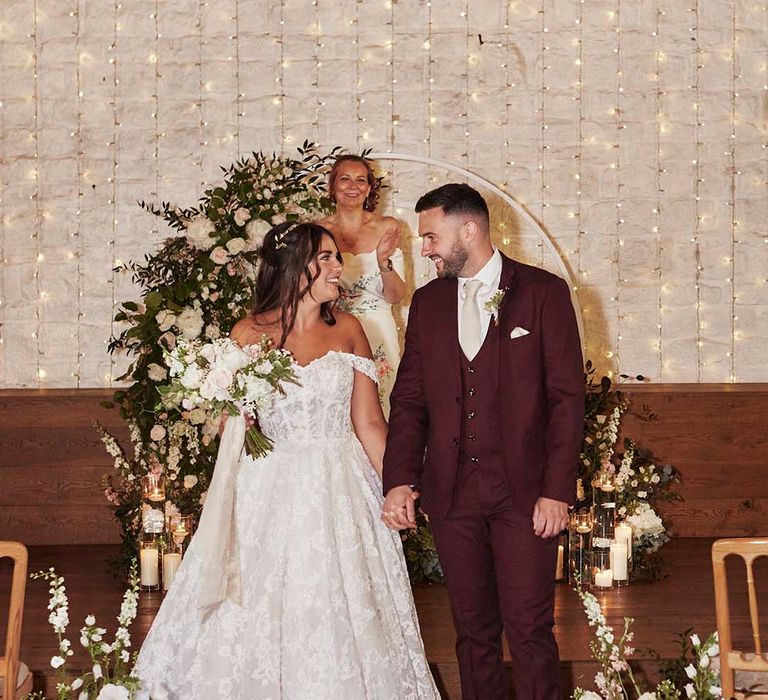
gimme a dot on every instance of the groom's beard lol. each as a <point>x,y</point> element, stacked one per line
<point>454,263</point>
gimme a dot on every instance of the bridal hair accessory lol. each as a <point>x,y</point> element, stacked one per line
<point>280,242</point>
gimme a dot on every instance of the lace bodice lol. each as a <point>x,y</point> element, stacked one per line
<point>319,406</point>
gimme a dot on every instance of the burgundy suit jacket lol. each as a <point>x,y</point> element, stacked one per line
<point>541,387</point>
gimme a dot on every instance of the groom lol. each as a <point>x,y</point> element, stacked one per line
<point>491,385</point>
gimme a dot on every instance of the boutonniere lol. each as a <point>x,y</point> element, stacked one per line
<point>494,303</point>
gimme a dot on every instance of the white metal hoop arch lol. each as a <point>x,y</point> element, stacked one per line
<point>521,211</point>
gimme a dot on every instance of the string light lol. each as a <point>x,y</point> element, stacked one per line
<point>281,80</point>
<point>733,184</point>
<point>318,64</point>
<point>78,203</point>
<point>581,233</point>
<point>659,345</point>
<point>393,117</point>
<point>112,180</point>
<point>238,91</point>
<point>358,100</point>
<point>619,114</point>
<point>700,324</point>
<point>543,204</point>
<point>37,233</point>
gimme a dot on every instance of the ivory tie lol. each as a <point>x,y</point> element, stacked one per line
<point>469,332</point>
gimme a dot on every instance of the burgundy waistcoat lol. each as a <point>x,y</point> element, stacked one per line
<point>481,481</point>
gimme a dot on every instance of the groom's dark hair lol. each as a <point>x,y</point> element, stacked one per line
<point>455,198</point>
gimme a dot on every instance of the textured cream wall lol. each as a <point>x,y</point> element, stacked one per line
<point>634,130</point>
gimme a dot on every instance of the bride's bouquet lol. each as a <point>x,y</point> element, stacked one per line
<point>221,375</point>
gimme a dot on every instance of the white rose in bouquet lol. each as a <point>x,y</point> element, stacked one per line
<point>219,255</point>
<point>156,373</point>
<point>198,233</point>
<point>241,216</point>
<point>165,319</point>
<point>190,323</point>
<point>216,384</point>
<point>212,331</point>
<point>235,246</point>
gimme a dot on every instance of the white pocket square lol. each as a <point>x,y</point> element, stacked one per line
<point>518,332</point>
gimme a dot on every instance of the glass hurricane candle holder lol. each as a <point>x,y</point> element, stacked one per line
<point>602,574</point>
<point>604,513</point>
<point>153,488</point>
<point>152,497</point>
<point>181,529</point>
<point>579,536</point>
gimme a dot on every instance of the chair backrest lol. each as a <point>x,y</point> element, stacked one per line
<point>731,659</point>
<point>9,663</point>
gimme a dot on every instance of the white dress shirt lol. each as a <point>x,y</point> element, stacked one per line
<point>490,276</point>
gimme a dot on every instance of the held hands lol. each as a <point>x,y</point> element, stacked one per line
<point>549,517</point>
<point>387,244</point>
<point>399,509</point>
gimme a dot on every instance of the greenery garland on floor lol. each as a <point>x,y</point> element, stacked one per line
<point>196,285</point>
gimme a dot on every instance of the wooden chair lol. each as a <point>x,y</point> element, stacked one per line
<point>15,676</point>
<point>732,660</point>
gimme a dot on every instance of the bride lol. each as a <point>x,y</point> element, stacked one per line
<point>292,586</point>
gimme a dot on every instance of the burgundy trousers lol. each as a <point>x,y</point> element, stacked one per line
<point>501,576</point>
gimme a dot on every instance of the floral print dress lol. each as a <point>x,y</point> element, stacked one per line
<point>363,296</point>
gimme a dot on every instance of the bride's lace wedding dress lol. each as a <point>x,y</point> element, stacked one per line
<point>292,587</point>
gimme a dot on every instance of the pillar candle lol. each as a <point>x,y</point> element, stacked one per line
<point>149,566</point>
<point>619,560</point>
<point>604,579</point>
<point>171,562</point>
<point>559,574</point>
<point>623,532</point>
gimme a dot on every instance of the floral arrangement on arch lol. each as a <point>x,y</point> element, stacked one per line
<point>196,286</point>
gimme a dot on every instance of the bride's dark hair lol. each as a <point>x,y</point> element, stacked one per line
<point>284,275</point>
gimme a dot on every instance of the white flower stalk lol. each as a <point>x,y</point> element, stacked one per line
<point>109,662</point>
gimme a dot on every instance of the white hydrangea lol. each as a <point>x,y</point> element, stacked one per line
<point>199,232</point>
<point>645,521</point>
<point>256,229</point>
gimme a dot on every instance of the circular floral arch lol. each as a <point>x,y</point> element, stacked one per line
<point>506,197</point>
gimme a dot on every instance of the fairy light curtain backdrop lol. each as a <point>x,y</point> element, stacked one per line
<point>633,130</point>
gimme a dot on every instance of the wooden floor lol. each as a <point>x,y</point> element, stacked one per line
<point>682,600</point>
